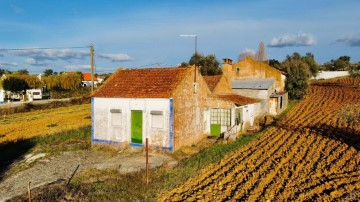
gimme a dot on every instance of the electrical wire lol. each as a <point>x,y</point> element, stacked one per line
<point>45,48</point>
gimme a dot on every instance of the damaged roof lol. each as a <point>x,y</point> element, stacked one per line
<point>212,81</point>
<point>142,83</point>
<point>237,99</point>
<point>256,84</point>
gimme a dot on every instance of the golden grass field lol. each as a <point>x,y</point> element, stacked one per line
<point>43,122</point>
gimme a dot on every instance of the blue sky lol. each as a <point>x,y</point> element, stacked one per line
<point>146,33</point>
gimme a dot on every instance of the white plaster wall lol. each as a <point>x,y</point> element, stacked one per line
<point>103,129</point>
<point>330,74</point>
<point>2,95</point>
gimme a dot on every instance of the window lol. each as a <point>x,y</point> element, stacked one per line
<point>220,116</point>
<point>115,117</point>
<point>238,69</point>
<point>157,119</point>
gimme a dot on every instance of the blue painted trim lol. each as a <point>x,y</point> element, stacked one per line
<point>171,124</point>
<point>106,141</point>
<point>92,120</point>
<point>136,145</point>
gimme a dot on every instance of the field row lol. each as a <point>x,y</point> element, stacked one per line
<point>305,157</point>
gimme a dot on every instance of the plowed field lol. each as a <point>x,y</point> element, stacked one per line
<point>312,154</point>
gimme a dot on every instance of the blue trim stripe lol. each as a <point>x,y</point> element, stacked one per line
<point>136,145</point>
<point>171,124</point>
<point>106,141</point>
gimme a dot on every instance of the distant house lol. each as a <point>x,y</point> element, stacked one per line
<point>166,105</point>
<point>257,80</point>
<point>86,81</point>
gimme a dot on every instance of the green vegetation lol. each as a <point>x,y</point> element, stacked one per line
<point>208,65</point>
<point>14,84</point>
<point>298,74</point>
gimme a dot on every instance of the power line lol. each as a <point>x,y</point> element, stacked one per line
<point>45,48</point>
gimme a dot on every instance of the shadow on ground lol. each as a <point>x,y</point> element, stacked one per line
<point>11,152</point>
<point>348,136</point>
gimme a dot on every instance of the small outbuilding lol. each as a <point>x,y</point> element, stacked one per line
<point>165,105</point>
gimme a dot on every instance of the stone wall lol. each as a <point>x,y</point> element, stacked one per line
<point>189,108</point>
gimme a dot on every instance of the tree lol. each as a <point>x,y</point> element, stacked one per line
<point>22,71</point>
<point>313,65</point>
<point>276,64</point>
<point>184,64</point>
<point>246,54</point>
<point>298,75</point>
<point>208,65</point>
<point>260,55</point>
<point>4,71</point>
<point>354,70</point>
<point>48,72</point>
<point>340,64</point>
<point>14,84</point>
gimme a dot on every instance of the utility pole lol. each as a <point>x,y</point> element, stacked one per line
<point>92,66</point>
<point>196,58</point>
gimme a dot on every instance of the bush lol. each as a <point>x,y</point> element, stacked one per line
<point>62,93</point>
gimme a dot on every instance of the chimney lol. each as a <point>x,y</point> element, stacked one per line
<point>227,70</point>
<point>227,61</point>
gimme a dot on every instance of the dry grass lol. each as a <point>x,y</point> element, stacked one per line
<point>43,122</point>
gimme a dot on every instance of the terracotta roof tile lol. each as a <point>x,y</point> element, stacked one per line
<point>237,99</point>
<point>142,83</point>
<point>212,81</point>
<point>87,77</point>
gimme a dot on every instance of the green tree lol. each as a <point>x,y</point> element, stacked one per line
<point>208,65</point>
<point>354,70</point>
<point>22,71</point>
<point>4,71</point>
<point>14,84</point>
<point>298,75</point>
<point>340,64</point>
<point>48,72</point>
<point>276,64</point>
<point>313,65</point>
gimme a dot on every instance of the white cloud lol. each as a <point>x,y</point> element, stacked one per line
<point>115,57</point>
<point>34,62</point>
<point>38,56</point>
<point>4,64</point>
<point>288,40</point>
<point>352,40</point>
<point>77,67</point>
<point>51,54</point>
<point>17,9</point>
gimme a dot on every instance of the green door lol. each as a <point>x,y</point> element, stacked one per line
<point>215,129</point>
<point>136,126</point>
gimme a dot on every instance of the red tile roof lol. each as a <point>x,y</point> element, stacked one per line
<point>212,81</point>
<point>87,77</point>
<point>237,99</point>
<point>142,83</point>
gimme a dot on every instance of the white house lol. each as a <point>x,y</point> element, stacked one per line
<point>165,105</point>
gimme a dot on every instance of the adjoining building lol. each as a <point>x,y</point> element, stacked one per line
<point>258,80</point>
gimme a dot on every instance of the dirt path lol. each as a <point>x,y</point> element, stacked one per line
<point>46,169</point>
